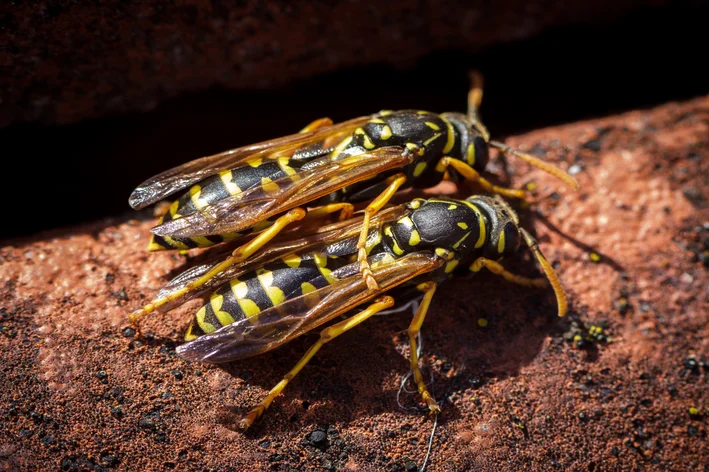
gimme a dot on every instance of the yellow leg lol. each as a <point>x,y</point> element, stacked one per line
<point>429,288</point>
<point>496,268</point>
<point>395,181</point>
<point>317,124</point>
<point>241,253</point>
<point>538,163</point>
<point>549,271</point>
<point>326,335</point>
<point>345,209</point>
<point>472,175</point>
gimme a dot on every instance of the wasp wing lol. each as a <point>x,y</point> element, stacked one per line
<point>278,325</point>
<point>336,239</point>
<point>238,212</point>
<point>180,177</point>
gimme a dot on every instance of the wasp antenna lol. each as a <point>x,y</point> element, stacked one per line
<point>475,95</point>
<point>539,164</point>
<point>549,271</point>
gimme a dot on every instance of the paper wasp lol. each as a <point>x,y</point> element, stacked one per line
<point>265,187</point>
<point>295,285</point>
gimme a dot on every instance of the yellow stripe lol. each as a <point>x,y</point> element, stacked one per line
<point>405,221</point>
<point>420,167</point>
<point>432,139</point>
<point>386,132</point>
<point>433,126</point>
<point>292,261</point>
<point>230,186</point>
<point>206,327</point>
<point>195,193</point>
<point>397,250</point>
<point>275,294</point>
<point>283,163</point>
<point>462,225</point>
<point>471,155</point>
<point>415,238</point>
<point>175,243</point>
<point>269,186</point>
<point>173,208</point>
<point>451,137</point>
<point>202,241</point>
<point>501,243</point>
<point>452,206</point>
<point>307,287</point>
<point>481,222</point>
<point>240,289</point>
<point>255,162</point>
<point>341,147</point>
<point>224,317</point>
<point>378,121</point>
<point>450,266</point>
<point>460,241</point>
<point>321,262</point>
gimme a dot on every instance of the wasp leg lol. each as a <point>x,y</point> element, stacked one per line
<point>395,181</point>
<point>538,163</point>
<point>548,270</point>
<point>345,209</point>
<point>429,288</point>
<point>326,335</point>
<point>314,218</point>
<point>497,268</point>
<point>241,253</point>
<point>316,125</point>
<point>472,175</point>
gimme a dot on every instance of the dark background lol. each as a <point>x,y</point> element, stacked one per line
<point>58,175</point>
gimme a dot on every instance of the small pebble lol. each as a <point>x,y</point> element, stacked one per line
<point>318,437</point>
<point>686,278</point>
<point>128,332</point>
<point>575,169</point>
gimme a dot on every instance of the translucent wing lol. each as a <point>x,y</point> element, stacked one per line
<point>336,239</point>
<point>281,324</point>
<point>180,177</point>
<point>243,210</point>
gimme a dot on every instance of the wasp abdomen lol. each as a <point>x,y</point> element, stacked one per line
<point>218,187</point>
<point>247,296</point>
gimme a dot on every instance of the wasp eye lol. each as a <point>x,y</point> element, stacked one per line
<point>482,153</point>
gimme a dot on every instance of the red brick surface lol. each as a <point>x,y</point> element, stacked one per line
<point>81,393</point>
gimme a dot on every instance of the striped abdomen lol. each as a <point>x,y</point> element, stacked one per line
<point>247,296</point>
<point>216,188</point>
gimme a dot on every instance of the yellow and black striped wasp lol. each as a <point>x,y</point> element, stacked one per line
<point>266,187</point>
<point>295,285</point>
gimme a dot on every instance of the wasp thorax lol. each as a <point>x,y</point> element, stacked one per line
<point>437,223</point>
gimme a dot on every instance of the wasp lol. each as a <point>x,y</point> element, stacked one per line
<point>266,187</point>
<point>296,285</point>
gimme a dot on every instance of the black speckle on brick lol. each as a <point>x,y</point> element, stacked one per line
<point>178,375</point>
<point>148,423</point>
<point>318,437</point>
<point>117,412</point>
<point>128,332</point>
<point>592,145</point>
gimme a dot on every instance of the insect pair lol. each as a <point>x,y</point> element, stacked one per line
<point>263,295</point>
